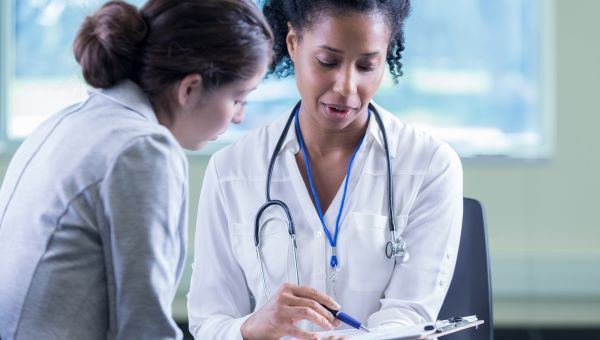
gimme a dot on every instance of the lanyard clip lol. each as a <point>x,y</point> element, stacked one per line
<point>333,262</point>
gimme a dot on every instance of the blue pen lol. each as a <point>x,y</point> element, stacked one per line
<point>347,319</point>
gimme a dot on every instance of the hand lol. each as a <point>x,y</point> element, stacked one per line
<point>291,303</point>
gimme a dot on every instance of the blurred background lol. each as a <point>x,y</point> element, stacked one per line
<point>510,84</point>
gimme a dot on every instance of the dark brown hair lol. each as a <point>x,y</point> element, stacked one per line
<point>222,40</point>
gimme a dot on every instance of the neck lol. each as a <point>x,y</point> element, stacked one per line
<point>162,116</point>
<point>322,141</point>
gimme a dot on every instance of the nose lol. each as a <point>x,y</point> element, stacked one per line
<point>238,117</point>
<point>345,83</point>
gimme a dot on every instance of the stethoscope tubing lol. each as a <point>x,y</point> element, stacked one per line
<point>390,185</point>
<point>279,203</point>
<point>291,226</point>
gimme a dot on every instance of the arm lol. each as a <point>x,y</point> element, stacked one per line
<point>218,300</point>
<point>144,199</point>
<point>418,287</point>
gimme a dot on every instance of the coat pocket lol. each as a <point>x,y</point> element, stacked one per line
<point>369,268</point>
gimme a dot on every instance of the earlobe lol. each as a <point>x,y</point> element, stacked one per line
<point>189,86</point>
<point>291,41</point>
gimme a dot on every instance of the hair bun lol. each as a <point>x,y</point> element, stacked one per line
<point>108,42</point>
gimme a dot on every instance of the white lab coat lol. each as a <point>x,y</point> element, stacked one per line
<point>427,177</point>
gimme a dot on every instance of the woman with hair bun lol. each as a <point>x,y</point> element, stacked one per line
<point>93,207</point>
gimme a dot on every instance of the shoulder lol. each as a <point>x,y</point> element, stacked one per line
<point>152,152</point>
<point>125,132</point>
<point>414,147</point>
<point>124,127</point>
<point>149,170</point>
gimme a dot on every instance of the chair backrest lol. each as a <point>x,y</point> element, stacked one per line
<point>470,289</point>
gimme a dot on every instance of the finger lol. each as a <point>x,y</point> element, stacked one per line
<point>306,313</point>
<point>313,294</point>
<point>299,333</point>
<point>314,305</point>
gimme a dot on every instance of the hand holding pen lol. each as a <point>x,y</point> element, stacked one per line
<point>291,303</point>
<point>347,319</point>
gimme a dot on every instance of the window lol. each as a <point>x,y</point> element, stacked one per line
<point>40,71</point>
<point>473,74</point>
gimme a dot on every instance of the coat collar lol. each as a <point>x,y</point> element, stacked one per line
<point>373,132</point>
<point>130,95</point>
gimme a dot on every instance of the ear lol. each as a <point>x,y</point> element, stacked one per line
<point>189,87</point>
<point>292,41</point>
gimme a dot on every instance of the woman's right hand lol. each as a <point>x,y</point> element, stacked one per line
<point>291,303</point>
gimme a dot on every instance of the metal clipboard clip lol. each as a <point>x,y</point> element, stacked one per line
<point>446,325</point>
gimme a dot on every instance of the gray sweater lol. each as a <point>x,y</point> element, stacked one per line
<point>93,215</point>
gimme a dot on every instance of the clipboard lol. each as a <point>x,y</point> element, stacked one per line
<point>413,332</point>
<point>456,328</point>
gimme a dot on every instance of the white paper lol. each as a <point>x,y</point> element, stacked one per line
<point>383,332</point>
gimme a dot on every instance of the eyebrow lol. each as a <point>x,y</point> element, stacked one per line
<point>335,50</point>
<point>246,90</point>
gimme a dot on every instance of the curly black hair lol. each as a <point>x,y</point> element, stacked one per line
<point>303,13</point>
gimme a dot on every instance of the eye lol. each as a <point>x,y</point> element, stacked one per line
<point>326,64</point>
<point>240,103</point>
<point>366,67</point>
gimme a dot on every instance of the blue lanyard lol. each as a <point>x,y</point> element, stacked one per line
<point>332,240</point>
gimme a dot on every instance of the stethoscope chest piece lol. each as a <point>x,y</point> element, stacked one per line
<point>396,249</point>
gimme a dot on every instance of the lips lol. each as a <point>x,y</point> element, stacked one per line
<point>338,111</point>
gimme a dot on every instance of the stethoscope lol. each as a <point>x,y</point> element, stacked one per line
<point>394,248</point>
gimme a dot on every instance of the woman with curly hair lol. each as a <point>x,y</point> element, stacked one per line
<point>330,169</point>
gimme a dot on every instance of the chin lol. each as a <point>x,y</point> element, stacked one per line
<point>194,146</point>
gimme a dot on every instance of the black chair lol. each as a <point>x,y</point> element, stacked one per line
<point>470,290</point>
